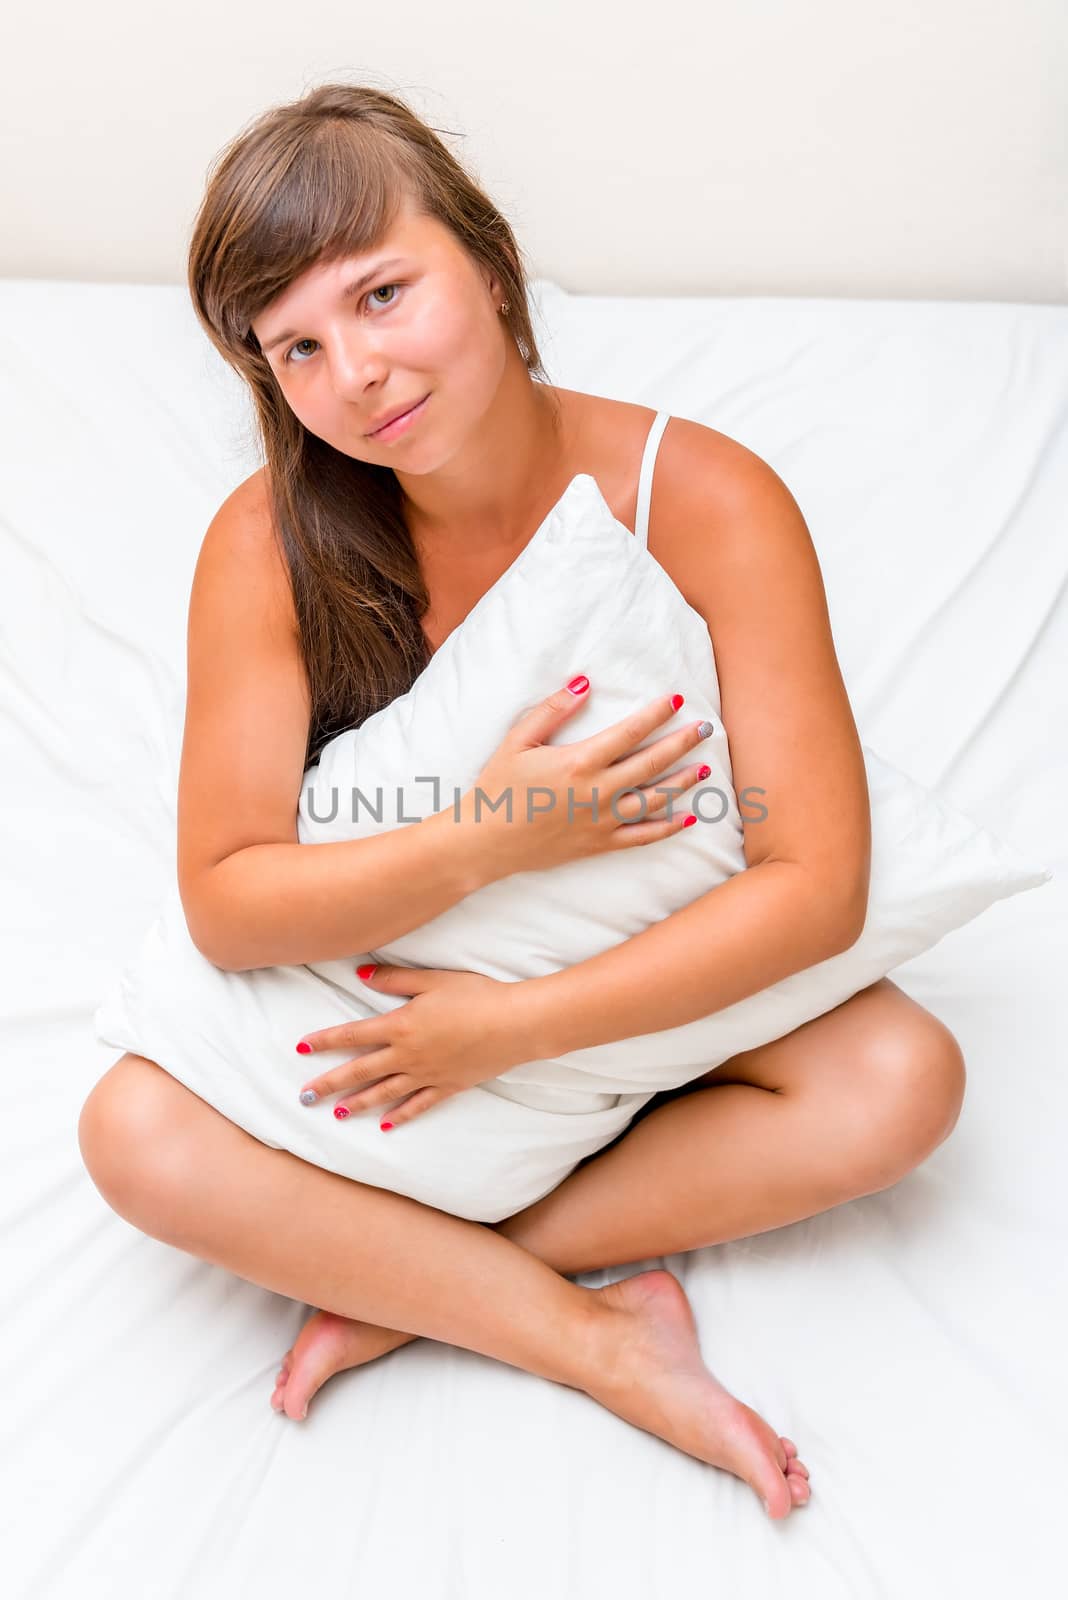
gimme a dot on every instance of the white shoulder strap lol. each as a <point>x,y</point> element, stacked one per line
<point>645,477</point>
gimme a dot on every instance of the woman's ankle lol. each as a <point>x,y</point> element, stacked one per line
<point>598,1342</point>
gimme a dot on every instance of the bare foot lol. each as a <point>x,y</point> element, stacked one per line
<point>654,1377</point>
<point>327,1344</point>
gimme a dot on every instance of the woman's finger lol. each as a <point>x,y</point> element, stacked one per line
<point>377,1094</point>
<point>669,790</point>
<point>371,1031</point>
<point>352,1075</point>
<point>413,1107</point>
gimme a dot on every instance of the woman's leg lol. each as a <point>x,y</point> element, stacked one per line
<point>180,1171</point>
<point>843,1106</point>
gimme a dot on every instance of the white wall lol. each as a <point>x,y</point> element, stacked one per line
<point>868,148</point>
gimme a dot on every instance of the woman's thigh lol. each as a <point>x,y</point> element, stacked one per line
<point>879,1044</point>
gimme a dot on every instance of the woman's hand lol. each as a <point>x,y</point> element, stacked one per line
<point>454,1033</point>
<point>592,794</point>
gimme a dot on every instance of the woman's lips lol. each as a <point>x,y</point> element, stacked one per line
<point>399,425</point>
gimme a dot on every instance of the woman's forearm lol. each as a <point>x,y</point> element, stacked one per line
<point>747,933</point>
<point>287,904</point>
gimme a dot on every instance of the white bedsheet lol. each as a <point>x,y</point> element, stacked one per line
<point>909,1342</point>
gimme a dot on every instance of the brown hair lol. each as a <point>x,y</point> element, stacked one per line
<point>311,181</point>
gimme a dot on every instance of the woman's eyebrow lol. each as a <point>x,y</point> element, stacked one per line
<point>347,293</point>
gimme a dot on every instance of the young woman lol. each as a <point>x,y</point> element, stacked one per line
<point>349,270</point>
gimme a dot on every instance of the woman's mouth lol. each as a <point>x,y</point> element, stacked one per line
<point>401,424</point>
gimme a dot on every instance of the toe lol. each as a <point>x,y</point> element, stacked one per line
<point>788,1445</point>
<point>296,1395</point>
<point>799,1489</point>
<point>776,1495</point>
<point>792,1489</point>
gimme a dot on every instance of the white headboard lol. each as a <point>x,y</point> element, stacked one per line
<point>896,149</point>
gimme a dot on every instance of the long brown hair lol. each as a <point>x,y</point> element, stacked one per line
<point>311,181</point>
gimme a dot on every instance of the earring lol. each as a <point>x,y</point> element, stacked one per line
<point>504,307</point>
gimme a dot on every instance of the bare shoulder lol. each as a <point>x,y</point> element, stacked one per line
<point>730,534</point>
<point>241,548</point>
<point>722,521</point>
<point>248,503</point>
<point>695,466</point>
<point>698,464</point>
<point>701,477</point>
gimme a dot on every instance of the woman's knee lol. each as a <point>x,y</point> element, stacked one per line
<point>131,1136</point>
<point>914,1083</point>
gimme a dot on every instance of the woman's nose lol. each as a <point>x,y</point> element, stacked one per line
<point>354,368</point>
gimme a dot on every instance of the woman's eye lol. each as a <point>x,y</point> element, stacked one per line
<point>289,352</point>
<point>389,302</point>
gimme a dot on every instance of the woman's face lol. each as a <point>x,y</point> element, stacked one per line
<point>424,322</point>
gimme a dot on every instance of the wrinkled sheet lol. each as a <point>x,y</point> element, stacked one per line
<point>910,1342</point>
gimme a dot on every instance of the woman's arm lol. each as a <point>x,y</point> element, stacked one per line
<point>284,904</point>
<point>744,935</point>
<point>733,540</point>
<point>253,896</point>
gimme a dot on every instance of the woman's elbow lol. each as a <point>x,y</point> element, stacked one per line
<point>854,902</point>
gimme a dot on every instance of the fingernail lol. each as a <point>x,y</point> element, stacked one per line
<point>305,1049</point>
<point>304,1413</point>
<point>705,729</point>
<point>366,972</point>
<point>308,1097</point>
<point>579,685</point>
<point>690,820</point>
<point>676,701</point>
<point>767,1508</point>
<point>704,772</point>
<point>341,1112</point>
<point>385,1126</point>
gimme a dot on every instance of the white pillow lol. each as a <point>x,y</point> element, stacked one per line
<point>582,596</point>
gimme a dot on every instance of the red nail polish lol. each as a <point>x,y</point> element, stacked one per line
<point>305,1049</point>
<point>385,1126</point>
<point>579,685</point>
<point>676,701</point>
<point>690,820</point>
<point>341,1112</point>
<point>365,972</point>
<point>704,772</point>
